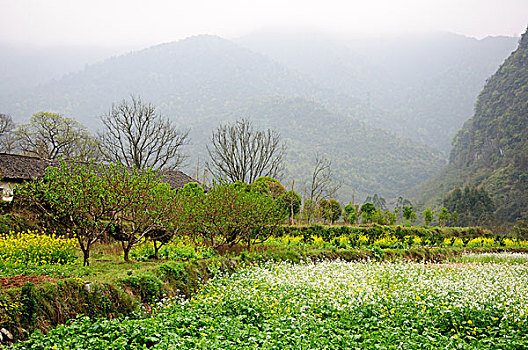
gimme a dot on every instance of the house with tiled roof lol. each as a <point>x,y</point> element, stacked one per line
<point>15,169</point>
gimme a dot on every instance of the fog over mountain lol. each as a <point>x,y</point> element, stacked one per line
<point>425,86</point>
<point>205,80</point>
<point>24,67</point>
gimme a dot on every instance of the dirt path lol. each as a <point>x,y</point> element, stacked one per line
<point>18,281</point>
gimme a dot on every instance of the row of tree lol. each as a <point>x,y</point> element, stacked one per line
<point>91,201</point>
<point>330,211</point>
<point>137,136</point>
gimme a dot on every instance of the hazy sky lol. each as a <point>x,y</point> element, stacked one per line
<point>136,23</point>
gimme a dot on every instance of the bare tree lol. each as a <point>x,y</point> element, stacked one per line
<point>52,136</point>
<point>239,152</point>
<point>7,125</point>
<point>136,135</point>
<point>323,184</point>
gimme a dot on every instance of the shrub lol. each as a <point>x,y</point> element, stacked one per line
<point>368,210</point>
<point>330,210</point>
<point>146,286</point>
<point>230,214</point>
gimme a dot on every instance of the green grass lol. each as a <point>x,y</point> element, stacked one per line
<point>486,258</point>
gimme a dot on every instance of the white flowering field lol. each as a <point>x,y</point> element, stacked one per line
<point>329,305</point>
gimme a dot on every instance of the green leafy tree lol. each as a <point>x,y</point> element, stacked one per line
<point>408,213</point>
<point>330,210</point>
<point>309,210</point>
<point>454,218</point>
<point>290,203</point>
<point>379,217</point>
<point>84,199</point>
<point>350,214</point>
<point>391,217</point>
<point>384,217</point>
<point>152,212</point>
<point>229,214</point>
<point>428,215</point>
<point>269,185</point>
<point>169,211</point>
<point>398,207</point>
<point>368,211</point>
<point>443,216</point>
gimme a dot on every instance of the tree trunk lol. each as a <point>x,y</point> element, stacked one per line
<point>156,250</point>
<point>86,256</point>
<point>126,250</point>
<point>127,247</point>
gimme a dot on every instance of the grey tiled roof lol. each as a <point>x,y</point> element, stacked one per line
<point>22,168</point>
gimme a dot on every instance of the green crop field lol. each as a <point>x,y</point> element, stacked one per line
<point>326,305</point>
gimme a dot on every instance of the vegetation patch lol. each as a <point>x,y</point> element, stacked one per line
<point>335,305</point>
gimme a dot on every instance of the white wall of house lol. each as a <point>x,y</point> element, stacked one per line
<point>7,190</point>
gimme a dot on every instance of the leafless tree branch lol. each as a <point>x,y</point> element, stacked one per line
<point>7,140</point>
<point>52,136</point>
<point>136,135</point>
<point>239,152</point>
<point>323,184</point>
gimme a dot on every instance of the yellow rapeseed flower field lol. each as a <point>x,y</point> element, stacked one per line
<point>36,248</point>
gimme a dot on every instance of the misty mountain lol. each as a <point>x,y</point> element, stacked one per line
<point>423,86</point>
<point>366,159</point>
<point>203,81</point>
<point>187,80</point>
<point>491,149</point>
<point>23,68</point>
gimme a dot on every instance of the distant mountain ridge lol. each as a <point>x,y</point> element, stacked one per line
<point>423,87</point>
<point>203,81</point>
<point>182,77</point>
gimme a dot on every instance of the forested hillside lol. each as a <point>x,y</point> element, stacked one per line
<point>367,160</point>
<point>491,150</point>
<point>187,80</point>
<point>422,86</point>
<point>203,81</point>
